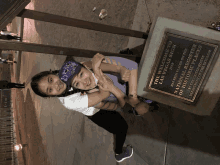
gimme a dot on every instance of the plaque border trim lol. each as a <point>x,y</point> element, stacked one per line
<point>166,33</point>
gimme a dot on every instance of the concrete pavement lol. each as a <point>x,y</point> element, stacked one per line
<point>57,136</point>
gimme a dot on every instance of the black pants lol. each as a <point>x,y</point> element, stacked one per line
<point>113,122</point>
<point>15,85</point>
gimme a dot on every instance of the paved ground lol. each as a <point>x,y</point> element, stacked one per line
<point>57,136</point>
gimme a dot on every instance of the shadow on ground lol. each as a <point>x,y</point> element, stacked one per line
<point>186,135</point>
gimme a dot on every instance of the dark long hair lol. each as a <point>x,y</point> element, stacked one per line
<point>35,87</point>
<point>35,81</point>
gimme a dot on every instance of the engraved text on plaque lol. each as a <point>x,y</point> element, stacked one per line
<point>182,66</point>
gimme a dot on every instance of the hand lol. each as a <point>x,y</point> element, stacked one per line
<point>84,93</point>
<point>125,74</point>
<point>96,61</point>
<point>105,83</point>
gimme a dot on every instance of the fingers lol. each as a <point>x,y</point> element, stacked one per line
<point>100,56</point>
<point>97,76</point>
<point>99,85</point>
<point>83,93</point>
<point>125,79</point>
<point>100,82</point>
<point>128,72</point>
<point>102,75</point>
<point>100,71</point>
<point>126,76</point>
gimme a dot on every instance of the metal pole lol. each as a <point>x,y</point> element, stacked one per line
<point>46,17</point>
<point>57,50</point>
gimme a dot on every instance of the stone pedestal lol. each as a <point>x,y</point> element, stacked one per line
<point>180,66</point>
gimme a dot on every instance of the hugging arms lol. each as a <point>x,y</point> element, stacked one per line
<point>128,73</point>
<point>74,77</point>
<point>125,75</point>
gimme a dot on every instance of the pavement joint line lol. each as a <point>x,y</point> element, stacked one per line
<point>53,134</point>
<point>167,140</point>
<point>69,140</point>
<point>148,11</point>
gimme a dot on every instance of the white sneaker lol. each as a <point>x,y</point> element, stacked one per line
<point>126,153</point>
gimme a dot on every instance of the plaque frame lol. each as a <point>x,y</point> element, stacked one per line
<point>190,37</point>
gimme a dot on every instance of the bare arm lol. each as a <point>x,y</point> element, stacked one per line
<point>126,75</point>
<point>107,85</point>
<point>120,95</point>
<point>105,67</point>
<point>96,97</point>
<point>96,64</point>
<point>107,105</point>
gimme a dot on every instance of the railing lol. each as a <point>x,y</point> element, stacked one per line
<point>7,132</point>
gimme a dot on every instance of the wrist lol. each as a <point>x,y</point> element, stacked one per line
<point>104,94</point>
<point>95,67</point>
<point>117,92</point>
<point>118,68</point>
<point>96,70</point>
<point>134,95</point>
<point>113,89</point>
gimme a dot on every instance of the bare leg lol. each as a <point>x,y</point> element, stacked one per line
<point>9,61</point>
<point>133,100</point>
<point>140,107</point>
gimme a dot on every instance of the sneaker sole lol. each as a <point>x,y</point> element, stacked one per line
<point>126,157</point>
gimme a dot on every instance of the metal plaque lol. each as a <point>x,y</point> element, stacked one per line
<point>182,66</point>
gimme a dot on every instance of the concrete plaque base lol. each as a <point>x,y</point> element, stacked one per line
<point>193,54</point>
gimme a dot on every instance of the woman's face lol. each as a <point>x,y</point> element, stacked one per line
<point>83,80</point>
<point>51,85</point>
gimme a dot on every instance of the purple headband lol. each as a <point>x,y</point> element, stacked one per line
<point>68,71</point>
